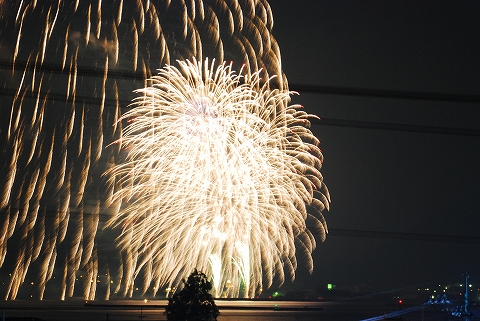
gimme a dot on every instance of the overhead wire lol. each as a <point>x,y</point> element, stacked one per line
<point>301,88</point>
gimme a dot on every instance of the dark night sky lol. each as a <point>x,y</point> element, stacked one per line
<point>401,141</point>
<point>406,198</point>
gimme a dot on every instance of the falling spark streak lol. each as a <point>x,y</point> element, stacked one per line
<point>15,124</point>
<point>141,17</point>
<point>65,48</point>
<point>74,74</point>
<point>37,101</point>
<point>46,34</point>
<point>135,45</point>
<point>87,33</point>
<point>216,268</point>
<point>70,123</point>
<point>3,236</point>
<point>213,169</point>
<point>20,7</point>
<point>115,39</point>
<point>12,171</point>
<point>20,27</point>
<point>119,13</point>
<point>99,19</point>
<point>81,133</point>
<point>52,24</point>
<point>34,73</point>
<point>65,116</point>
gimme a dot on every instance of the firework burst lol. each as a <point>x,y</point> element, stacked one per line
<point>69,69</point>
<point>220,174</point>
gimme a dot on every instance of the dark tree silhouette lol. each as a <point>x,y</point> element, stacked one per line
<point>194,302</point>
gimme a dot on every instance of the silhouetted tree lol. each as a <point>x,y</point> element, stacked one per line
<point>194,302</point>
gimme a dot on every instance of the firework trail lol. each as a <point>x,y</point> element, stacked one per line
<point>64,85</point>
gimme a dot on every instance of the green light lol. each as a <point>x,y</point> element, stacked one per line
<point>329,286</point>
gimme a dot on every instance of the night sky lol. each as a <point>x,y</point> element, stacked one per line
<point>397,84</point>
<point>397,87</point>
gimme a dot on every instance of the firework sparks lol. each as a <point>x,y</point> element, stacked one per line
<point>69,68</point>
<point>219,171</point>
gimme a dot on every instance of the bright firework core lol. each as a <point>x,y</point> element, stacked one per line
<point>220,174</point>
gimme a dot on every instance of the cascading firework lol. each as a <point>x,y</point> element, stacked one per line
<point>220,174</point>
<point>68,69</point>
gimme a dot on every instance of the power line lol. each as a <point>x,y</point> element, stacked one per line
<point>317,89</point>
<point>405,236</point>
<point>103,217</point>
<point>119,74</point>
<point>396,127</point>
<point>382,93</point>
<point>323,122</point>
<point>80,70</point>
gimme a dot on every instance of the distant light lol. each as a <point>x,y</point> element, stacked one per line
<point>275,294</point>
<point>329,286</point>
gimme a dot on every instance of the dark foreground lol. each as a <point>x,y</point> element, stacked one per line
<point>241,310</point>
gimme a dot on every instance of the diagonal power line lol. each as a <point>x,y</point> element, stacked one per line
<point>396,127</point>
<point>345,91</point>
<point>382,93</point>
<point>405,236</point>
